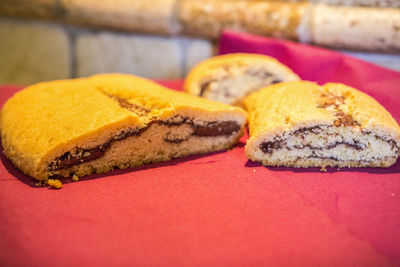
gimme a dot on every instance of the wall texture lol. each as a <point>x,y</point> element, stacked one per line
<point>163,39</point>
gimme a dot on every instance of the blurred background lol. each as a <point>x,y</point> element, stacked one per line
<point>163,39</point>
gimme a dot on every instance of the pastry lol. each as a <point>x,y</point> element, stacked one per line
<point>302,124</point>
<point>370,3</point>
<point>354,28</point>
<point>208,18</point>
<point>93,125</point>
<point>154,17</point>
<point>348,27</point>
<point>231,77</point>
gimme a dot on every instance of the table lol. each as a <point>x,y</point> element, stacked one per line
<point>219,208</point>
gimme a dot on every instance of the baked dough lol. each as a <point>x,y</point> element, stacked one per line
<point>353,28</point>
<point>369,3</point>
<point>302,124</point>
<point>93,125</point>
<point>208,18</point>
<point>229,78</point>
<point>154,17</point>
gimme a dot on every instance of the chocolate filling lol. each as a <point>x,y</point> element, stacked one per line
<point>277,143</point>
<point>329,99</point>
<point>268,147</point>
<point>204,86</point>
<point>81,155</point>
<point>314,156</point>
<point>216,128</point>
<point>207,128</point>
<point>139,110</point>
<point>262,74</point>
<point>356,145</point>
<point>343,119</point>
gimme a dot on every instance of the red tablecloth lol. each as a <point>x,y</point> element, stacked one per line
<point>216,209</point>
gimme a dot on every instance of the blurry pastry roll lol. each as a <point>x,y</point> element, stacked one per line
<point>27,8</point>
<point>371,3</point>
<point>208,18</point>
<point>229,78</point>
<point>155,16</point>
<point>358,28</point>
<point>302,124</point>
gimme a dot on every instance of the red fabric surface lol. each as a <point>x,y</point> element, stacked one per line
<point>219,208</point>
<point>366,201</point>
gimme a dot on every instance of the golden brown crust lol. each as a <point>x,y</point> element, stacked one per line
<point>80,120</point>
<point>303,124</point>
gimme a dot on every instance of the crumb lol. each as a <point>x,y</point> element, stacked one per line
<point>39,184</point>
<point>55,183</point>
<point>75,178</point>
<point>254,170</point>
<point>323,169</point>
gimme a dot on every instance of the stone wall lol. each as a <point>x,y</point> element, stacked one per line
<point>54,39</point>
<point>33,51</point>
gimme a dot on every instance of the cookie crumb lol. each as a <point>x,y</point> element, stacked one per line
<point>75,178</point>
<point>39,184</point>
<point>254,170</point>
<point>55,183</point>
<point>323,169</point>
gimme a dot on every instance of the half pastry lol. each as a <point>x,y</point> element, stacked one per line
<point>302,124</point>
<point>93,125</point>
<point>231,77</point>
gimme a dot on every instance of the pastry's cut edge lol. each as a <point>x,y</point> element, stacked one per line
<point>335,125</point>
<point>158,141</point>
<point>230,77</point>
<point>286,149</point>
